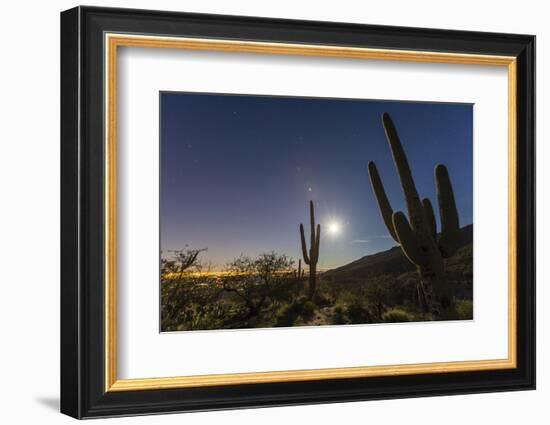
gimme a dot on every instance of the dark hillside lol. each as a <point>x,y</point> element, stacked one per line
<point>393,262</point>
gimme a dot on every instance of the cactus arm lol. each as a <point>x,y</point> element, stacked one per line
<point>408,240</point>
<point>430,216</point>
<point>312,232</point>
<point>304,248</point>
<point>450,235</point>
<point>383,203</point>
<point>414,206</point>
<point>417,234</point>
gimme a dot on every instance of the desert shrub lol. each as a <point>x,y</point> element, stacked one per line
<point>357,313</point>
<point>322,300</point>
<point>308,311</point>
<point>329,287</point>
<point>378,293</point>
<point>338,316</point>
<point>255,283</point>
<point>297,312</point>
<point>190,303</point>
<point>396,315</point>
<point>465,309</point>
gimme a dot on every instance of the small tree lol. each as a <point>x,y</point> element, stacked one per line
<point>182,261</point>
<point>257,281</point>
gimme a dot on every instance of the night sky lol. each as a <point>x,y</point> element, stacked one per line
<point>238,171</point>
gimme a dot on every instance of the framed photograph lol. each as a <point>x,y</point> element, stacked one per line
<point>261,212</point>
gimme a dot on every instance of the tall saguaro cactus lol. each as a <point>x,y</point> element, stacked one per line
<point>312,257</point>
<point>417,235</point>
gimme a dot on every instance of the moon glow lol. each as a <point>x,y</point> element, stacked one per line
<point>334,228</point>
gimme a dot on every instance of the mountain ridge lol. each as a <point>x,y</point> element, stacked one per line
<point>392,261</point>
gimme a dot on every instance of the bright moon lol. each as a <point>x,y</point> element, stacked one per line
<point>333,228</point>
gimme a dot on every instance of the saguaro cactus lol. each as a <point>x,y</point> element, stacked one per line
<point>313,256</point>
<point>299,274</point>
<point>417,235</point>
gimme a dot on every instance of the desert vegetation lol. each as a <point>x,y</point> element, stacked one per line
<point>266,292</point>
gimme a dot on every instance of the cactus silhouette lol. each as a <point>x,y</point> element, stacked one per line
<point>417,235</point>
<point>312,257</point>
<point>299,274</point>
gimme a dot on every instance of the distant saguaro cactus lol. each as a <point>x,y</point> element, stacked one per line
<point>417,235</point>
<point>299,274</point>
<point>313,256</point>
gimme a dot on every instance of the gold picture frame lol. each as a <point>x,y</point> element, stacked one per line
<point>91,40</point>
<point>114,41</point>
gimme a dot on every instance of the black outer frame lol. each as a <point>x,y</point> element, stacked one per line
<point>82,218</point>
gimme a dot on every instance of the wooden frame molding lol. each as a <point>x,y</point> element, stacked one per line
<point>114,40</point>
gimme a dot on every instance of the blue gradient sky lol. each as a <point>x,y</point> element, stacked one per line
<point>237,172</point>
